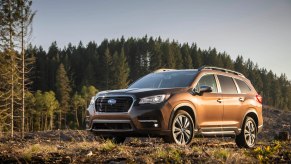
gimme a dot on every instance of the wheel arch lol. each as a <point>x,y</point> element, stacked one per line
<point>254,115</point>
<point>186,107</point>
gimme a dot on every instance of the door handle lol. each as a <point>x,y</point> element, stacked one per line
<point>241,99</point>
<point>219,100</point>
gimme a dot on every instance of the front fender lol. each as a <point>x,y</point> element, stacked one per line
<point>187,105</point>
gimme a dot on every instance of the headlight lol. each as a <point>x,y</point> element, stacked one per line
<point>152,99</point>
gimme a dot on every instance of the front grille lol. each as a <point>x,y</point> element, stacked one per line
<point>122,104</point>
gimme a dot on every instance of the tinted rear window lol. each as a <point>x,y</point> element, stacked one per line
<point>227,84</point>
<point>244,88</point>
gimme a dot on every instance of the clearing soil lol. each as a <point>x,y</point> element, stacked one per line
<point>79,146</point>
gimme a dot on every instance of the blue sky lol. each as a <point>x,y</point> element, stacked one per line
<point>259,30</point>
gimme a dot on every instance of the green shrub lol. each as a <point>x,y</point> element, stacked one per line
<point>107,146</point>
<point>264,153</point>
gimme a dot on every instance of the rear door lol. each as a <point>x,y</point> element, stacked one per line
<point>231,102</point>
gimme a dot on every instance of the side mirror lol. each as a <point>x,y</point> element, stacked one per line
<point>205,88</point>
<point>202,90</point>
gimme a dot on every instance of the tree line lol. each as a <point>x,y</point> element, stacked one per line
<point>15,28</point>
<point>116,63</point>
<point>59,83</point>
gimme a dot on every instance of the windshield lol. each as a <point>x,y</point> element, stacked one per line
<point>173,79</point>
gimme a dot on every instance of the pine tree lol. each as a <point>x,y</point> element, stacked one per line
<point>187,60</point>
<point>121,71</point>
<point>168,57</point>
<point>175,52</point>
<point>4,106</point>
<point>196,56</point>
<point>239,65</point>
<point>63,93</point>
<point>107,64</point>
<point>10,19</point>
<point>91,79</point>
<point>155,54</point>
<point>26,16</point>
<point>52,62</point>
<point>227,61</point>
<point>276,93</point>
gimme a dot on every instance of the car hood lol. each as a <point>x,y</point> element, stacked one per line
<point>142,92</point>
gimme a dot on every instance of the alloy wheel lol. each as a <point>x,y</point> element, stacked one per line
<point>250,133</point>
<point>182,129</point>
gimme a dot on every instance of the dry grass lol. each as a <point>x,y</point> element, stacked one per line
<point>82,149</point>
<point>36,149</point>
<point>222,154</point>
<point>77,146</point>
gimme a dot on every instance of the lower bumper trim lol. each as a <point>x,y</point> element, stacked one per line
<point>111,125</point>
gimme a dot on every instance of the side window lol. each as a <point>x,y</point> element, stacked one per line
<point>244,88</point>
<point>227,84</point>
<point>208,80</point>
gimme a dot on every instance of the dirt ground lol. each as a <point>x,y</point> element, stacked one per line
<point>78,146</point>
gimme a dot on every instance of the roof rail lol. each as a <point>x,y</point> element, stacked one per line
<point>221,69</point>
<point>163,70</point>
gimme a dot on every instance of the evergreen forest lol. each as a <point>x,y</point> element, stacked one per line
<point>46,90</point>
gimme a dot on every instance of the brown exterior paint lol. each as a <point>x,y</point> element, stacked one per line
<point>208,113</point>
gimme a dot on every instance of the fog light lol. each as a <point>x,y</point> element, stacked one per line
<point>156,125</point>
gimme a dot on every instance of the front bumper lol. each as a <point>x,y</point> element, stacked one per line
<point>140,120</point>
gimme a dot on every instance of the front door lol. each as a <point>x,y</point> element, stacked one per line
<point>209,105</point>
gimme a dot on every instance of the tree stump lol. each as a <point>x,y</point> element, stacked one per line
<point>284,136</point>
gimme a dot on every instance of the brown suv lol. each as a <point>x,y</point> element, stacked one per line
<point>176,104</point>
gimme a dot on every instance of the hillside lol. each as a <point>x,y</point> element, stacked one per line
<point>275,120</point>
<point>75,73</point>
<point>74,146</point>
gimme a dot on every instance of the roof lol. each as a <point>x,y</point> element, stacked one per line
<point>203,68</point>
<point>220,69</point>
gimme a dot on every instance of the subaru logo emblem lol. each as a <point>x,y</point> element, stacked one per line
<point>111,101</point>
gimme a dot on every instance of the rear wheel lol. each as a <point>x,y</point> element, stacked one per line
<point>182,129</point>
<point>247,137</point>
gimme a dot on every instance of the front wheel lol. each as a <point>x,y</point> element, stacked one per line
<point>182,129</point>
<point>247,137</point>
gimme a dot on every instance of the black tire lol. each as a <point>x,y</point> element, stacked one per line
<point>182,129</point>
<point>247,137</point>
